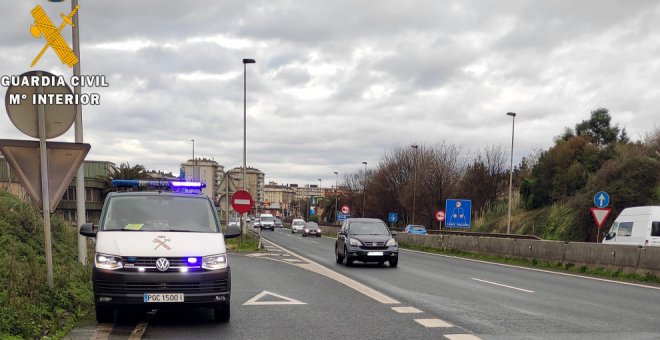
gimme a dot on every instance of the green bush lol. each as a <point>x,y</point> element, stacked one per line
<point>29,308</point>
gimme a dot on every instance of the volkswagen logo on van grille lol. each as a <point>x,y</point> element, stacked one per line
<point>162,264</point>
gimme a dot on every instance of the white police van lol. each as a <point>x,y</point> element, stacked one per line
<point>159,245</point>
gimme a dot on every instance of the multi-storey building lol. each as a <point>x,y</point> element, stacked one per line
<point>207,171</point>
<point>278,199</point>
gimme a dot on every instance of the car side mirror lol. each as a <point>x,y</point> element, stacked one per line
<point>393,232</point>
<point>87,229</point>
<point>342,233</point>
<point>610,236</point>
<point>233,231</point>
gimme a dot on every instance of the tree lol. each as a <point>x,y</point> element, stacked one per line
<point>124,171</point>
<point>598,128</point>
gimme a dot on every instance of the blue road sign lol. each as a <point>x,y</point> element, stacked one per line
<point>458,213</point>
<point>393,217</point>
<point>341,217</point>
<point>601,199</point>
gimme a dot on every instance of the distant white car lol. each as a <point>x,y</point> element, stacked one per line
<point>297,225</point>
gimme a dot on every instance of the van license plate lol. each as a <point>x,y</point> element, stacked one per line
<point>375,253</point>
<point>168,297</point>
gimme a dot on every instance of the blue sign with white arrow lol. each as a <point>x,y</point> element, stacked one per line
<point>393,217</point>
<point>601,199</point>
<point>458,213</point>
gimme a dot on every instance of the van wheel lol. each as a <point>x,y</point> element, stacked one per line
<point>104,314</point>
<point>222,313</point>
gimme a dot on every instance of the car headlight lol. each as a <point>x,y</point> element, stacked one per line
<point>354,242</point>
<point>104,261</point>
<point>391,242</point>
<point>214,262</point>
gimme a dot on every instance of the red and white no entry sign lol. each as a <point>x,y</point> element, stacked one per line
<point>440,215</point>
<point>345,209</point>
<point>241,201</point>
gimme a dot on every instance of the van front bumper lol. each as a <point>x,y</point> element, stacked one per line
<point>120,287</point>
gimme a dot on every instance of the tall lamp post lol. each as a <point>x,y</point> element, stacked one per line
<point>193,159</point>
<point>245,62</point>
<point>513,126</point>
<point>364,189</point>
<point>414,146</point>
<point>336,196</point>
<point>80,175</point>
<point>317,201</point>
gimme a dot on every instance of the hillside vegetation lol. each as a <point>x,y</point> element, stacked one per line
<point>29,308</point>
<point>553,189</point>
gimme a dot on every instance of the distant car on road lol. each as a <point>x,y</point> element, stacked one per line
<point>297,225</point>
<point>278,222</point>
<point>312,229</point>
<point>267,221</point>
<point>415,229</point>
<point>366,240</point>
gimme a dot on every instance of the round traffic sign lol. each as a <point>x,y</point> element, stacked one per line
<point>345,209</point>
<point>440,215</point>
<point>24,115</point>
<point>601,199</point>
<point>241,201</point>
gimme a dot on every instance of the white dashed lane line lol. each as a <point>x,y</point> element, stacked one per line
<point>433,323</point>
<point>502,285</point>
<point>406,310</point>
<point>461,337</point>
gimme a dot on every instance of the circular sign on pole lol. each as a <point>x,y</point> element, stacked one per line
<point>345,209</point>
<point>440,215</point>
<point>241,201</point>
<point>24,113</point>
<point>601,199</point>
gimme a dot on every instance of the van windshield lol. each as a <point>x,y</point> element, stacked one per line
<point>266,219</point>
<point>159,213</point>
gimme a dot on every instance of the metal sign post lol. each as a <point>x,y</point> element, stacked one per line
<point>43,156</point>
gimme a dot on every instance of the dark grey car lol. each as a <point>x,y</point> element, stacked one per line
<point>366,240</point>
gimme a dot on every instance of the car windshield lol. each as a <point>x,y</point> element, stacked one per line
<point>418,228</point>
<point>159,213</point>
<point>298,223</point>
<point>369,228</point>
<point>312,225</point>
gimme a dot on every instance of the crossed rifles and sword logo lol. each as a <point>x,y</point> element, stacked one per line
<point>43,26</point>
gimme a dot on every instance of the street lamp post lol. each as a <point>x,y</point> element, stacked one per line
<point>193,159</point>
<point>336,196</point>
<point>364,189</point>
<point>245,62</point>
<point>414,146</point>
<point>513,126</point>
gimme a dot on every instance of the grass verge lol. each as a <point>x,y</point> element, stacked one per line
<point>250,243</point>
<point>553,266</point>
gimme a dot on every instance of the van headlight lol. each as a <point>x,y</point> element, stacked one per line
<point>391,242</point>
<point>214,262</point>
<point>105,261</point>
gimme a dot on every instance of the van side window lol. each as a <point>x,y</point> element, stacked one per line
<point>655,229</point>
<point>625,229</point>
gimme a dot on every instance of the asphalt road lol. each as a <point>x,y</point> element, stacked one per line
<point>297,291</point>
<point>494,301</point>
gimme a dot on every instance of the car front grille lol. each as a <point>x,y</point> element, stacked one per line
<point>110,287</point>
<point>373,245</point>
<point>149,263</point>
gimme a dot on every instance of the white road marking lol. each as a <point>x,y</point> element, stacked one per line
<point>503,285</point>
<point>102,331</point>
<point>319,269</point>
<point>406,310</point>
<point>536,270</point>
<point>138,331</point>
<point>461,337</point>
<point>314,242</point>
<point>284,300</point>
<point>433,323</point>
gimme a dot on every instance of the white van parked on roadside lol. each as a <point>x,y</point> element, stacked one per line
<point>636,226</point>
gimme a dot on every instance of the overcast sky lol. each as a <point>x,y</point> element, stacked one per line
<point>340,82</point>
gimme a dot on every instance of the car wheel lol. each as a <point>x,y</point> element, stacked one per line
<point>338,257</point>
<point>104,314</point>
<point>222,313</point>
<point>347,260</point>
<point>318,235</point>
<point>394,262</point>
<point>292,231</point>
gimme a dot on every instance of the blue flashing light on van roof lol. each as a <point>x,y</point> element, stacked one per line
<point>184,187</point>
